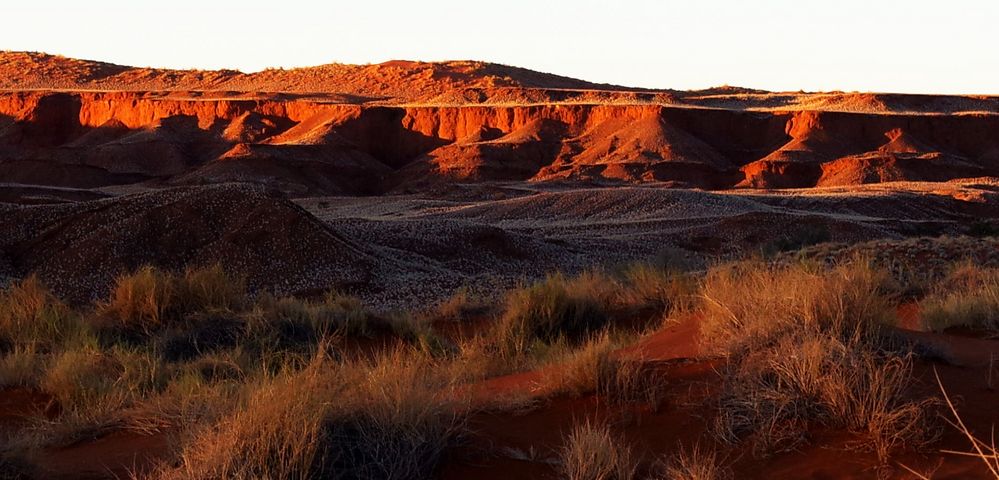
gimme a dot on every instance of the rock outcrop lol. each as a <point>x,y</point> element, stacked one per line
<point>312,147</point>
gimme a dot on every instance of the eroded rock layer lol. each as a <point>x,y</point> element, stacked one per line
<point>309,146</point>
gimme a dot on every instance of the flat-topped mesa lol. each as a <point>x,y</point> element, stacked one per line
<point>311,146</point>
<point>402,82</point>
<point>396,81</point>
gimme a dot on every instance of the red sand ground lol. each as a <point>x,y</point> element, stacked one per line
<point>525,445</point>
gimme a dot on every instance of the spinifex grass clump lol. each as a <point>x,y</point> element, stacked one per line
<point>809,345</point>
<point>149,299</point>
<point>561,308</point>
<point>749,305</point>
<point>380,418</point>
<point>593,452</point>
<point>30,315</point>
<point>968,296</point>
<point>552,309</point>
<point>165,350</point>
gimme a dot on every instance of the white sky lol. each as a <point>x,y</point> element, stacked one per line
<point>930,46</point>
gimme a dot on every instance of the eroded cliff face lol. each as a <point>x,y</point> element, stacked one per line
<point>310,146</point>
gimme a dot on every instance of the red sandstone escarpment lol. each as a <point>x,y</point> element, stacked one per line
<point>311,146</point>
<point>393,81</point>
<point>836,148</point>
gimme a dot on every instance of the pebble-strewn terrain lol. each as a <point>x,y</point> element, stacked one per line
<point>409,250</point>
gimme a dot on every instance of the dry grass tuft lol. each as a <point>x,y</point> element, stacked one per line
<point>290,321</point>
<point>379,419</point>
<point>774,395</point>
<point>573,308</point>
<point>80,377</point>
<point>276,434</point>
<point>149,299</point>
<point>577,370</point>
<point>209,289</point>
<point>623,381</point>
<point>808,345</point>
<point>593,452</point>
<point>21,366</point>
<point>748,305</point>
<point>459,306</point>
<point>31,314</point>
<point>968,296</point>
<point>644,286</point>
<point>553,309</point>
<point>593,368</point>
<point>141,299</point>
<point>695,463</point>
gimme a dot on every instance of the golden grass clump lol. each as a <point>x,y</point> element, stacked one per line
<point>625,380</point>
<point>303,320</point>
<point>150,298</point>
<point>141,299</point>
<point>459,306</point>
<point>644,286</point>
<point>748,305</point>
<point>553,309</point>
<point>383,418</point>
<point>77,377</point>
<point>774,395</point>
<point>577,370</point>
<point>31,314</point>
<point>22,366</point>
<point>592,452</point>
<point>808,345</point>
<point>210,289</point>
<point>696,463</point>
<point>276,434</point>
<point>968,296</point>
<point>594,368</point>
